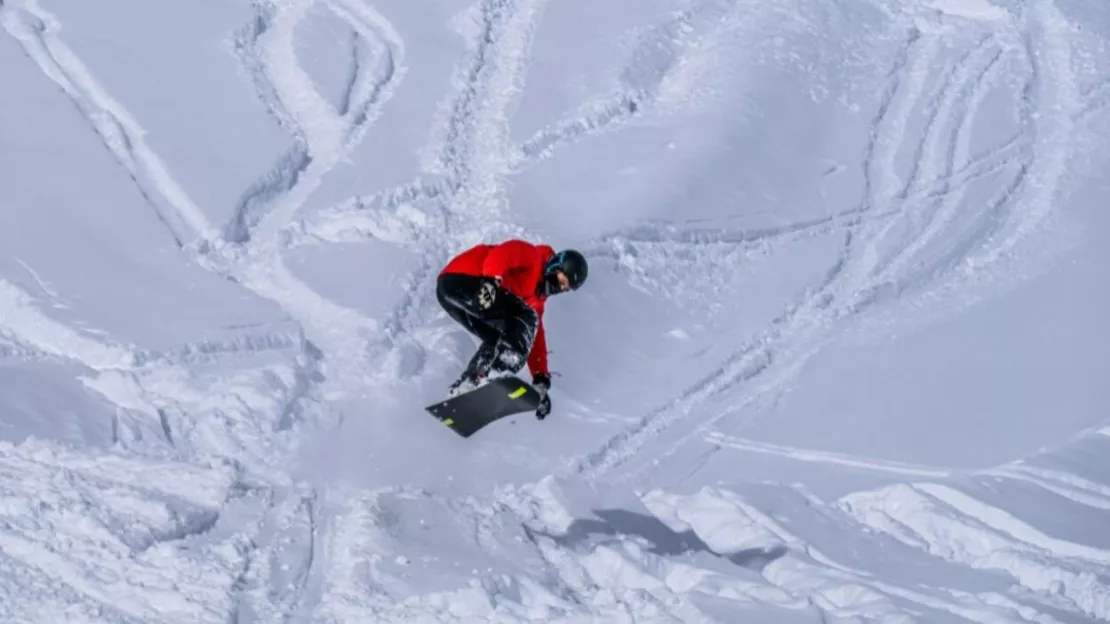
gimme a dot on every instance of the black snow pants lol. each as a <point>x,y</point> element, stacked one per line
<point>507,329</point>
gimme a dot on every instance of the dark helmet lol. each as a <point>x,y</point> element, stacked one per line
<point>572,264</point>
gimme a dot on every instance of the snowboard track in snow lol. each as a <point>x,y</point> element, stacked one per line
<point>37,31</point>
<point>863,277</point>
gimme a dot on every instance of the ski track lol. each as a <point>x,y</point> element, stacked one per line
<point>303,554</point>
<point>753,360</point>
<point>255,237</point>
<point>167,400</point>
<point>1095,101</point>
<point>461,194</point>
<point>801,581</point>
<point>641,83</point>
<point>1063,484</point>
<point>942,170</point>
<point>823,457</point>
<point>38,333</point>
<point>858,281</point>
<point>593,118</point>
<point>950,104</point>
<point>37,31</point>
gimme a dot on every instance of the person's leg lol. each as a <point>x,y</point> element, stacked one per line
<point>480,364</point>
<point>518,330</point>
<point>507,329</point>
<point>456,294</point>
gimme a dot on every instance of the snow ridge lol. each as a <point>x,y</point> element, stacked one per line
<point>954,526</point>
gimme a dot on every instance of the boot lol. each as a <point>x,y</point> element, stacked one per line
<point>462,385</point>
<point>477,371</point>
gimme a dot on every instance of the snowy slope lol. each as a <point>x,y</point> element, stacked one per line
<point>840,357</point>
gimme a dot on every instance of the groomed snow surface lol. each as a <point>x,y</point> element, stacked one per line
<point>842,356</point>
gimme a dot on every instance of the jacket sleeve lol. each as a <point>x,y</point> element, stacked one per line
<point>537,359</point>
<point>506,257</point>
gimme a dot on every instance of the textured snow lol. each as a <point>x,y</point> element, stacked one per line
<point>841,356</point>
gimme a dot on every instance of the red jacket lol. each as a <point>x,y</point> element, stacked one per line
<point>519,265</point>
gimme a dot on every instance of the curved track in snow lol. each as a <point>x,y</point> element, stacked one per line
<point>934,246</point>
<point>37,30</point>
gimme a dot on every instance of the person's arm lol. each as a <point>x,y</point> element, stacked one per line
<point>537,359</point>
<point>541,379</point>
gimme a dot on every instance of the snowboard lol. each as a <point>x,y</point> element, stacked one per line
<point>468,412</point>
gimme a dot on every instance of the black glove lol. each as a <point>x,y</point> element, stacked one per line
<point>487,293</point>
<point>542,384</point>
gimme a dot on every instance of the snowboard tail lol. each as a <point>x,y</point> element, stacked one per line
<point>469,412</point>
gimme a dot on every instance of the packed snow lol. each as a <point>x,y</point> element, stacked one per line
<point>841,356</point>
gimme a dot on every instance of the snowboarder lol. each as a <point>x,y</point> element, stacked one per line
<point>498,292</point>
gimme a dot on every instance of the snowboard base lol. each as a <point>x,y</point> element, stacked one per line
<point>468,412</point>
